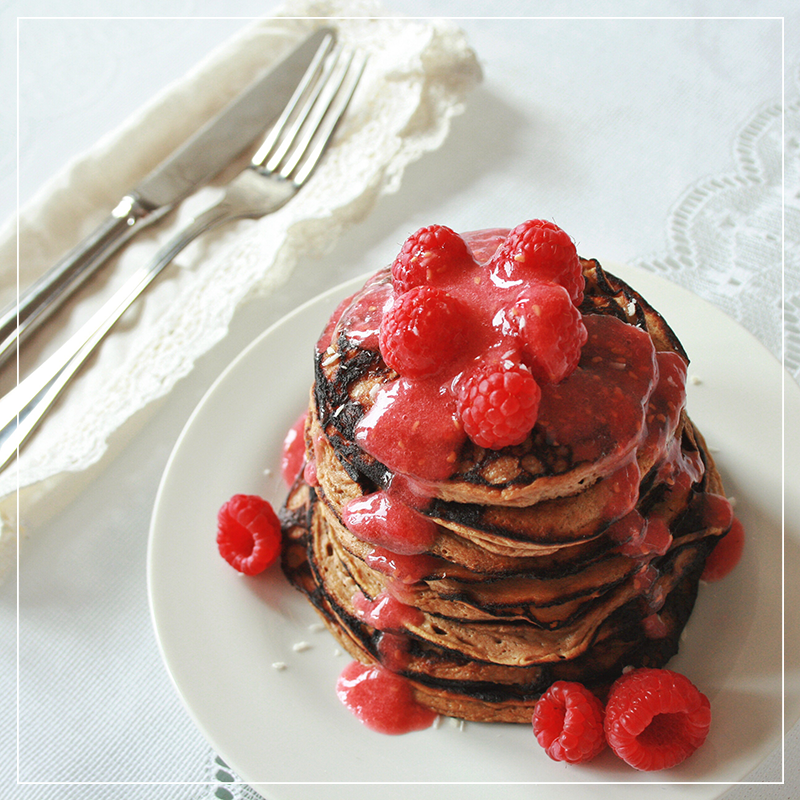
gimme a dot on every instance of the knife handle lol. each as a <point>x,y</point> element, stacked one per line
<point>50,291</point>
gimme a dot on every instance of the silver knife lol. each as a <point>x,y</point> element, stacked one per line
<point>219,142</point>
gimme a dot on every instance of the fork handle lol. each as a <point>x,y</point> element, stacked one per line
<point>22,408</point>
<point>48,293</point>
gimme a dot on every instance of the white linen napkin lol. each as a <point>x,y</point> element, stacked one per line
<point>416,79</point>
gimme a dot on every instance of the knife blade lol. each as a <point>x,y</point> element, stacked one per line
<point>218,143</point>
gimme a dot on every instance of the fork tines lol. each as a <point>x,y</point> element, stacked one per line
<point>299,137</point>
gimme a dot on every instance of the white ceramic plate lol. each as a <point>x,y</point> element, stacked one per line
<point>220,633</point>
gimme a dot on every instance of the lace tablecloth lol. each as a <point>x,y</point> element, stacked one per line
<point>670,143</point>
<point>728,231</point>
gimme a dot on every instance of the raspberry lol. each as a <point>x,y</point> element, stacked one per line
<point>498,404</point>
<point>551,330</point>
<point>655,718</point>
<point>248,533</point>
<point>568,723</point>
<point>428,254</point>
<point>422,331</point>
<point>540,249</point>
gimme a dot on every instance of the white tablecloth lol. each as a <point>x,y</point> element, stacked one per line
<point>653,137</point>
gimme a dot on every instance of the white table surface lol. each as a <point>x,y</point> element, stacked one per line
<point>599,122</point>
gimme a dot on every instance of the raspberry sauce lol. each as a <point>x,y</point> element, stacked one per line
<point>717,511</point>
<point>598,411</point>
<point>361,314</point>
<point>640,537</point>
<point>413,429</point>
<point>383,520</point>
<point>665,405</point>
<point>382,700</point>
<point>385,613</point>
<point>624,491</point>
<point>393,651</point>
<point>293,453</point>
<point>655,627</point>
<point>726,555</point>
<point>310,473</point>
<point>405,568</point>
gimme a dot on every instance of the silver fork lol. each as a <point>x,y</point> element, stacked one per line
<point>276,173</point>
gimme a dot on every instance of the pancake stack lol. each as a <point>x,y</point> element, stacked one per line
<point>571,556</point>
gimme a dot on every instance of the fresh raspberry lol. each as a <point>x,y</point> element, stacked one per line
<point>655,718</point>
<point>498,404</point>
<point>551,331</point>
<point>541,250</point>
<point>428,254</point>
<point>422,331</point>
<point>568,723</point>
<point>248,533</point>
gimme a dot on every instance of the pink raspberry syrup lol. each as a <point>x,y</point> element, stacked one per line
<point>655,627</point>
<point>599,410</point>
<point>293,454</point>
<point>631,534</point>
<point>383,701</point>
<point>665,404</point>
<point>726,555</point>
<point>387,522</point>
<point>361,313</point>
<point>310,469</point>
<point>650,537</point>
<point>385,613</point>
<point>393,651</point>
<point>717,511</point>
<point>413,429</point>
<point>407,569</point>
<point>622,491</point>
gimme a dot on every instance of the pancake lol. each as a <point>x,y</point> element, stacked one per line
<point>570,555</point>
<point>482,677</point>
